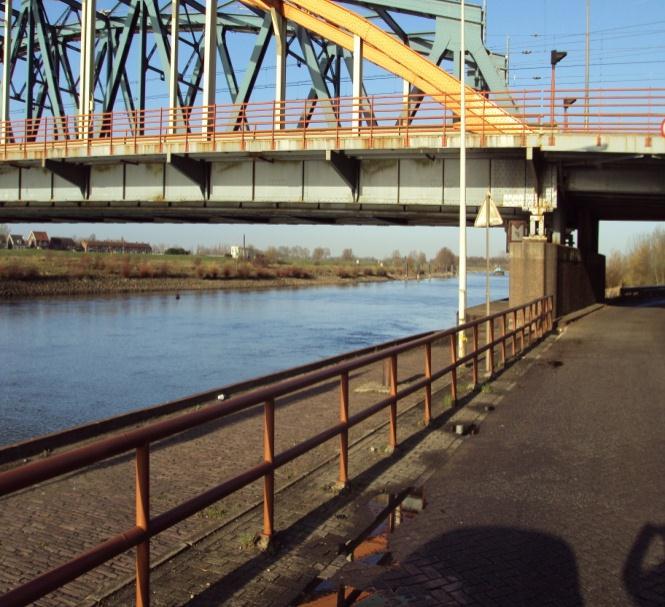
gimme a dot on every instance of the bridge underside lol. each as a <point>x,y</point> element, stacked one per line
<point>356,180</point>
<point>417,186</point>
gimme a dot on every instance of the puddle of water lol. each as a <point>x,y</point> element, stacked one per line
<point>372,546</point>
<point>328,594</point>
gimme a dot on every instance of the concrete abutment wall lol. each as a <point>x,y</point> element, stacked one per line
<point>540,268</point>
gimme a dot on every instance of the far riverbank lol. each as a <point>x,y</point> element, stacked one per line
<point>57,287</point>
<point>37,273</point>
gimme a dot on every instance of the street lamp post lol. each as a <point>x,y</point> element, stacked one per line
<point>567,102</point>
<point>461,315</point>
<point>555,57</point>
<point>587,57</point>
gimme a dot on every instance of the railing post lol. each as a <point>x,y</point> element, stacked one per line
<point>475,355</point>
<point>541,320</point>
<point>503,340</point>
<point>490,352</point>
<point>428,388</point>
<point>514,340</point>
<point>344,436</point>
<point>143,522</point>
<point>453,362</point>
<point>392,438</point>
<point>269,478</point>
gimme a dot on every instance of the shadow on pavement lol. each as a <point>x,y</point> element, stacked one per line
<point>487,565</point>
<point>644,571</point>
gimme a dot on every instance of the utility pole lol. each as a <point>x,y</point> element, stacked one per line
<point>587,61</point>
<point>461,313</point>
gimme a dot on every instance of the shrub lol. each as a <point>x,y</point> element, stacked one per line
<point>245,271</point>
<point>145,270</point>
<point>293,272</point>
<point>346,273</point>
<point>13,270</point>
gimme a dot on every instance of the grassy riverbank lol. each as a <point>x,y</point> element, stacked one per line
<point>32,273</point>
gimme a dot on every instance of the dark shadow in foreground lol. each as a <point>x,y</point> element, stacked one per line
<point>644,572</point>
<point>480,566</point>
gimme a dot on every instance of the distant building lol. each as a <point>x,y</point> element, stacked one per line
<point>115,246</point>
<point>58,243</point>
<point>15,241</point>
<point>239,252</point>
<point>38,240</point>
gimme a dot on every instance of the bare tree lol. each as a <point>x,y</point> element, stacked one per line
<point>320,253</point>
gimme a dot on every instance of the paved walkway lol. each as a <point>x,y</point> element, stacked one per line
<point>560,499</point>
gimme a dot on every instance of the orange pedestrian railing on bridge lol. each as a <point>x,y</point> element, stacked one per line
<point>507,334</point>
<point>372,118</point>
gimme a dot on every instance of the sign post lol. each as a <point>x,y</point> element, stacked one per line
<point>488,216</point>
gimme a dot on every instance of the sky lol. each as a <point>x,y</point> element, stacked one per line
<point>627,44</point>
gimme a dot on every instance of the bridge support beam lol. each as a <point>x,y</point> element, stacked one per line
<point>6,72</point>
<point>173,68</point>
<point>587,232</point>
<point>197,171</point>
<point>86,82</point>
<point>358,50</point>
<point>209,67</point>
<point>76,174</point>
<point>347,168</point>
<point>279,29</point>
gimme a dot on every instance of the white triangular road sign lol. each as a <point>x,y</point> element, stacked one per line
<point>494,215</point>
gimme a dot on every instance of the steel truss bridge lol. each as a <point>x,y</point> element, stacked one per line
<point>264,111</point>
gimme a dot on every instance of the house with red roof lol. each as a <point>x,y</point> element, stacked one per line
<point>38,240</point>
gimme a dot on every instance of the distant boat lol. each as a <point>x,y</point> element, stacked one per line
<point>499,271</point>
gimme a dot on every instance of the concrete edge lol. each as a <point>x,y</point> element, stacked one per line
<point>572,317</point>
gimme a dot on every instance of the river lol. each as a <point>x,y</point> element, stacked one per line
<point>64,362</point>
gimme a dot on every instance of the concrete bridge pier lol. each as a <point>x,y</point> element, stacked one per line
<point>575,276</point>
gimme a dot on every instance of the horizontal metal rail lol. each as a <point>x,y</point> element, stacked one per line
<point>524,324</point>
<point>606,111</point>
<point>643,291</point>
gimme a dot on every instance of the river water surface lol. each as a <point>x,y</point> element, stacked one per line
<point>64,362</point>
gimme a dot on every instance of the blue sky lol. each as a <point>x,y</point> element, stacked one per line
<point>627,50</point>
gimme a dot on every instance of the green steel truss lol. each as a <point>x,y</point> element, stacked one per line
<point>132,50</point>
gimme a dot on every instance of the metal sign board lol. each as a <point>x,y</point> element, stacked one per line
<point>488,208</point>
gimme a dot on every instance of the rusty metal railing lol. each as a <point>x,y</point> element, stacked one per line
<point>517,329</point>
<point>598,111</point>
